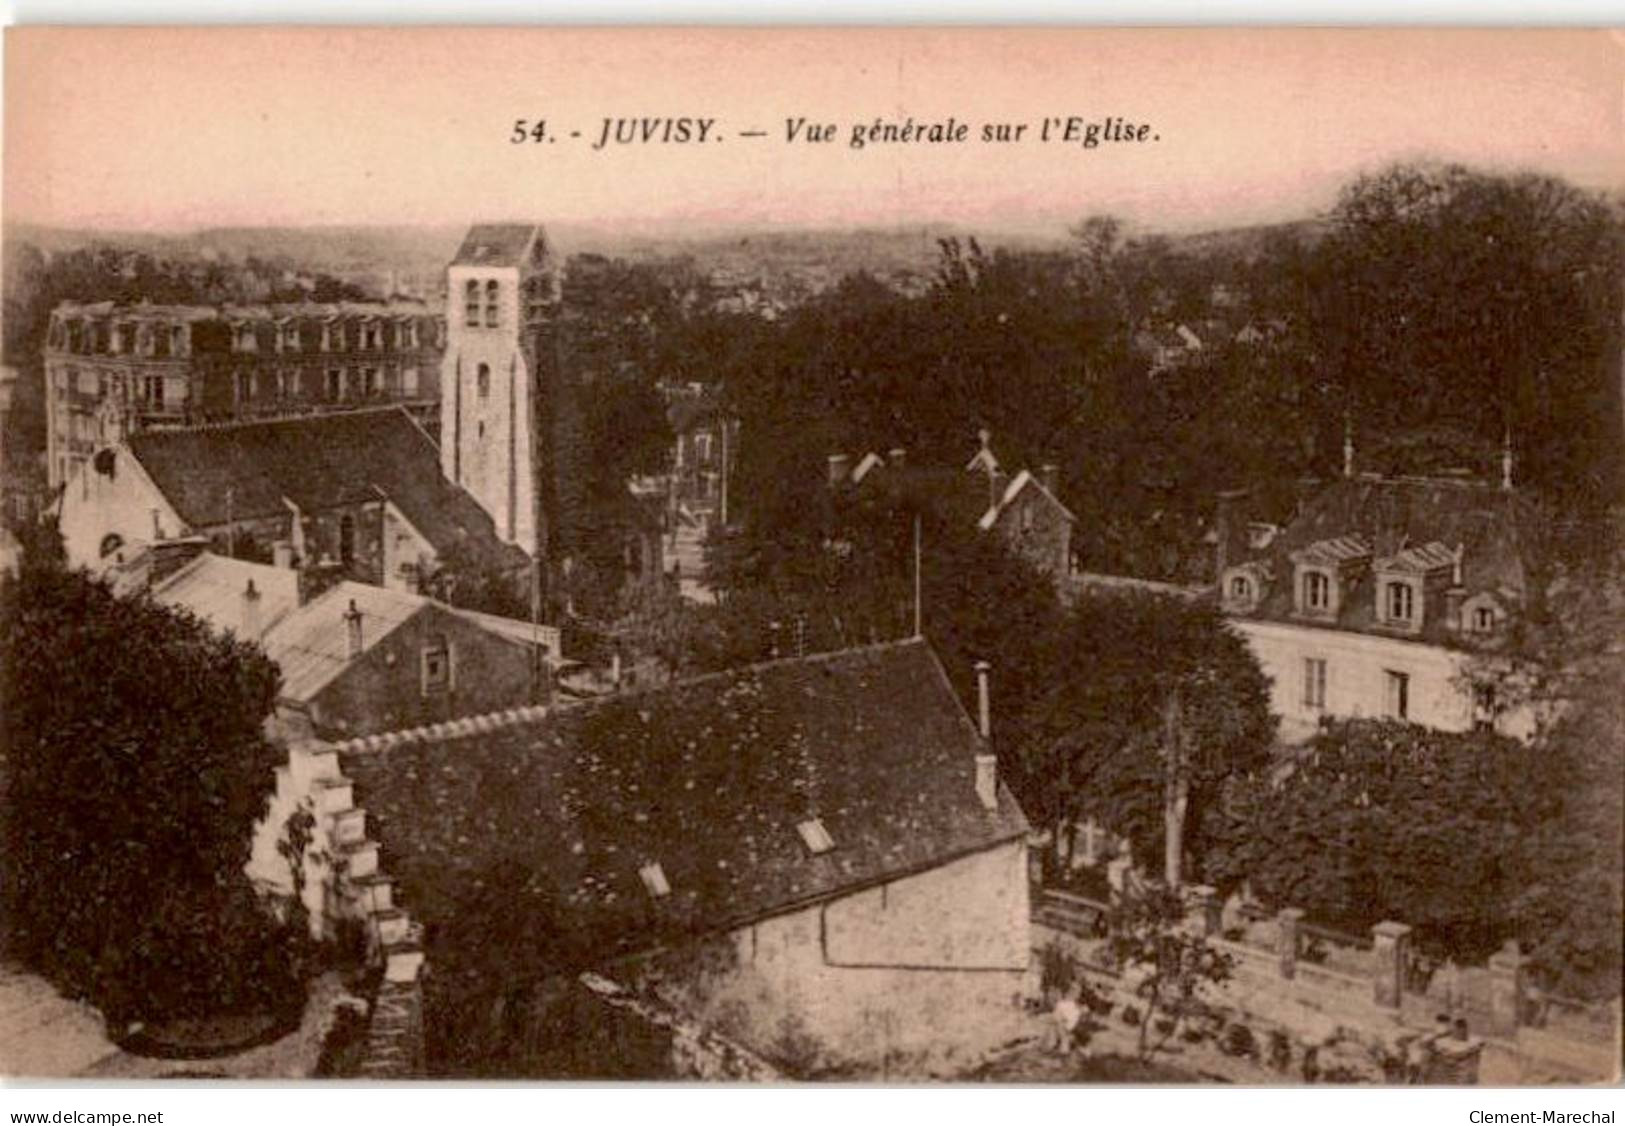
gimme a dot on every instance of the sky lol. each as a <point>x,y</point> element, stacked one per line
<point>163,129</point>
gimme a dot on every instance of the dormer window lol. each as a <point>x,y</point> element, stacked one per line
<point>1317,590</point>
<point>815,836</point>
<point>1483,619</point>
<point>654,880</point>
<point>1399,601</point>
<point>1241,589</point>
<point>290,337</point>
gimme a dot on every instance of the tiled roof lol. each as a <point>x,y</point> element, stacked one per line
<point>247,470</point>
<point>496,244</point>
<point>525,840</point>
<point>211,586</point>
<point>312,645</point>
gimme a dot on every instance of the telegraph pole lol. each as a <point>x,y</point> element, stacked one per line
<point>1176,788</point>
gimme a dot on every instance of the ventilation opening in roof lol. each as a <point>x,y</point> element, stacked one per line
<point>654,880</point>
<point>815,836</point>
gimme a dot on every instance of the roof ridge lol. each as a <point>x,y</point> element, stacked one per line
<point>507,717</point>
<point>460,727</point>
<point>245,423</point>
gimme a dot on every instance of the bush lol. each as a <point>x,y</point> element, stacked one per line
<point>1239,1041</point>
<point>1280,1050</point>
<point>1057,969</point>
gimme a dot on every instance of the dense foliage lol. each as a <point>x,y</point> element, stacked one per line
<point>1470,839</point>
<point>1100,737</point>
<point>133,775</point>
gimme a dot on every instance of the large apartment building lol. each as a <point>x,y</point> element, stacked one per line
<point>116,369</point>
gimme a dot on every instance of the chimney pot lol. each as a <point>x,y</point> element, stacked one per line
<point>282,554</point>
<point>897,456</point>
<point>251,611</point>
<point>840,468</point>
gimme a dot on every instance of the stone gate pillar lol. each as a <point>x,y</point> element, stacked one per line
<point>1506,989</point>
<point>1287,922</point>
<point>1390,951</point>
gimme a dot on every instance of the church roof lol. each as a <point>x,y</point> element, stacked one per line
<point>215,474</point>
<point>497,244</point>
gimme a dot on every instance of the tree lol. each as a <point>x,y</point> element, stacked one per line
<point>1490,303</point>
<point>134,773</point>
<point>1388,820</point>
<point>462,577</point>
<point>1174,963</point>
<point>1162,698</point>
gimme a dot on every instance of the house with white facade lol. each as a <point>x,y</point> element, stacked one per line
<point>1383,597</point>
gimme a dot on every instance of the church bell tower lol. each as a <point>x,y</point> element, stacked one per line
<point>501,290</point>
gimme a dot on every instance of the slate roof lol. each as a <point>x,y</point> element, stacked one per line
<point>211,587</point>
<point>312,645</point>
<point>525,843</point>
<point>496,244</point>
<point>1415,522</point>
<point>318,462</point>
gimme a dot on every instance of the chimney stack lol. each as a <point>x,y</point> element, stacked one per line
<point>352,619</point>
<point>897,456</point>
<point>282,554</point>
<point>1506,460</point>
<point>984,712</point>
<point>1049,475</point>
<point>840,468</point>
<point>251,612</point>
<point>1348,446</point>
<point>987,780</point>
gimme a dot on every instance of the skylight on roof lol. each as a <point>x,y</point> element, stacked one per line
<point>815,836</point>
<point>654,880</point>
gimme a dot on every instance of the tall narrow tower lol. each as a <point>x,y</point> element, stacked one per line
<point>500,288</point>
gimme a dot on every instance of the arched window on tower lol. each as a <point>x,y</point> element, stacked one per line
<point>483,379</point>
<point>492,314</point>
<point>471,298</point>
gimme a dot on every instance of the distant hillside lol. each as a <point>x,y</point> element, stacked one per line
<point>420,253</point>
<point>412,258</point>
